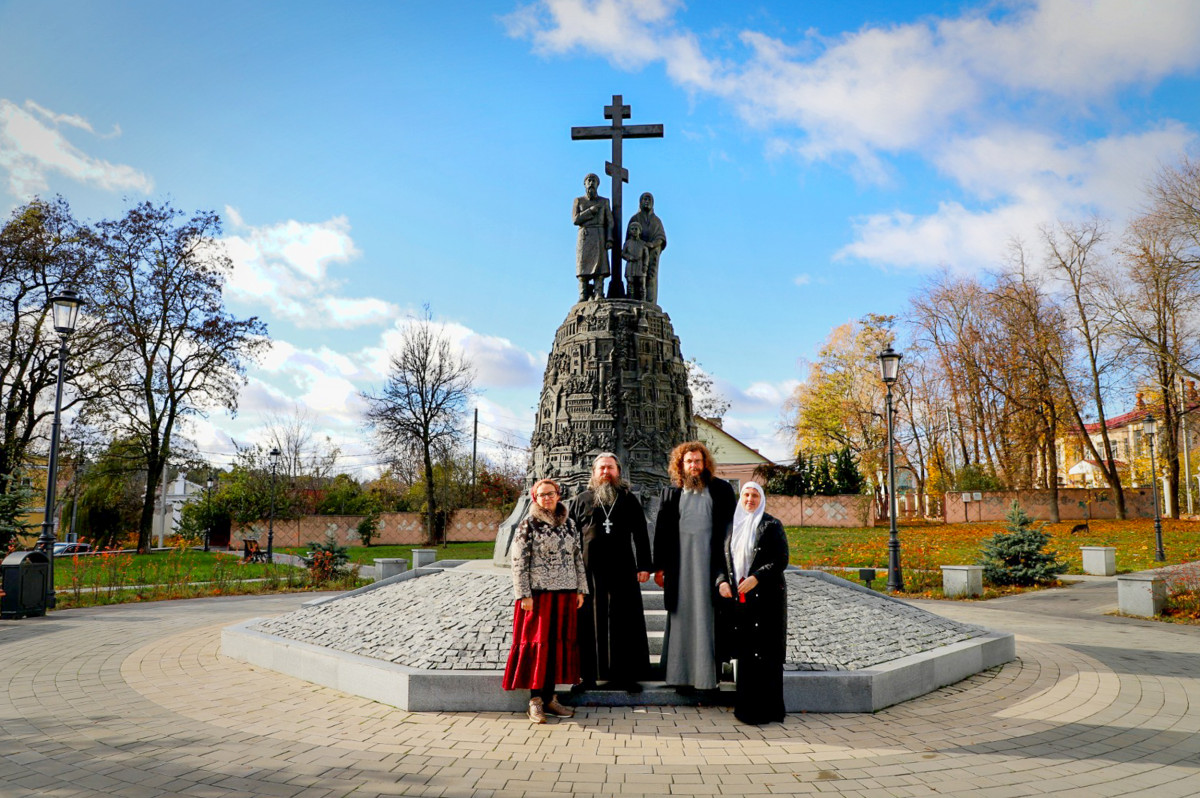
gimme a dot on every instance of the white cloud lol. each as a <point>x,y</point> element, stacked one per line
<point>32,148</point>
<point>990,97</point>
<point>498,362</point>
<point>1071,48</point>
<point>288,266</point>
<point>802,279</point>
<point>1026,180</point>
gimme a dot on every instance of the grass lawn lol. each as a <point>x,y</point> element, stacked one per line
<point>365,555</point>
<point>928,546</point>
<point>119,577</point>
<point>160,567</point>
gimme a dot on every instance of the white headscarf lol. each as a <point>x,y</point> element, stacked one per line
<point>744,525</point>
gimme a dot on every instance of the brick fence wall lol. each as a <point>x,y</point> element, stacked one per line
<point>993,505</point>
<point>394,529</point>
<point>831,511</point>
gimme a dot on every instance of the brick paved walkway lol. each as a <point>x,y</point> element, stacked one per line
<point>136,701</point>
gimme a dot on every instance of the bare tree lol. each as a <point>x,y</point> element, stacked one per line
<point>1073,257</point>
<point>1032,340</point>
<point>160,285</point>
<point>1154,307</point>
<point>707,401</point>
<point>305,460</point>
<point>42,250</point>
<point>421,405</point>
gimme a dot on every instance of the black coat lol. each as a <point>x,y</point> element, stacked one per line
<point>612,624</point>
<point>754,632</point>
<point>666,535</point>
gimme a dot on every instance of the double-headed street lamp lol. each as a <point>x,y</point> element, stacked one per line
<point>65,307</point>
<point>1149,428</point>
<point>889,369</point>
<point>274,455</point>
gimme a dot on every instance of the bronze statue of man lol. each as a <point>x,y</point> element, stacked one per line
<point>655,239</point>
<point>594,218</point>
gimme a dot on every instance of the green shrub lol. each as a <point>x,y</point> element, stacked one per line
<point>367,528</point>
<point>326,561</point>
<point>1018,556</point>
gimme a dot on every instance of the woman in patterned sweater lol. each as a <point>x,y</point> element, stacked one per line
<point>549,583</point>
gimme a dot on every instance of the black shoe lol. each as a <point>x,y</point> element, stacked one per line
<point>685,689</point>
<point>621,686</point>
<point>583,687</point>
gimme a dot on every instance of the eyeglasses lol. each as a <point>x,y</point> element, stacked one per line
<point>547,495</point>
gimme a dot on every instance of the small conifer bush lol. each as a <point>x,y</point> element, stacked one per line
<point>1017,556</point>
<point>326,561</point>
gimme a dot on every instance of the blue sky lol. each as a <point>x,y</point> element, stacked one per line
<point>820,161</point>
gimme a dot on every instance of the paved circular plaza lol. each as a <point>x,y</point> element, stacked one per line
<point>135,700</point>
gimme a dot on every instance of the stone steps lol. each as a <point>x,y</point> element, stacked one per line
<point>653,694</point>
<point>656,623</point>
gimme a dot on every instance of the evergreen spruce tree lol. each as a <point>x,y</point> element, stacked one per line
<point>846,476</point>
<point>821,476</point>
<point>1017,556</point>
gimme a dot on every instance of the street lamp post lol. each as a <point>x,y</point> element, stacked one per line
<point>1149,427</point>
<point>65,307</point>
<point>208,484</point>
<point>271,519</point>
<point>889,369</point>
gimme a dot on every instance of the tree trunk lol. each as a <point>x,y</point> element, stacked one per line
<point>154,466</point>
<point>430,500</point>
<point>1052,462</point>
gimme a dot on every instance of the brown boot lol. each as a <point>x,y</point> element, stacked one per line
<point>555,708</point>
<point>536,713</point>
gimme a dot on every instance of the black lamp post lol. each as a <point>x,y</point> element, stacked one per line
<point>1149,428</point>
<point>274,455</point>
<point>889,369</point>
<point>65,307</point>
<point>208,484</point>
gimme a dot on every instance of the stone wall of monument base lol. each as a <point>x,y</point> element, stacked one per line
<point>403,529</point>
<point>1074,504</point>
<point>829,511</point>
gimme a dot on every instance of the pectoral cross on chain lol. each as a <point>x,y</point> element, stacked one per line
<point>607,527</point>
<point>618,131</point>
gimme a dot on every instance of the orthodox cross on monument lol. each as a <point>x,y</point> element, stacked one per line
<point>617,132</point>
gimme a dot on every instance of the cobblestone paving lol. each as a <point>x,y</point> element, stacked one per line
<point>835,627</point>
<point>136,701</point>
<point>463,619</point>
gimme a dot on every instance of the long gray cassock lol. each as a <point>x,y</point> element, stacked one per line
<point>689,648</point>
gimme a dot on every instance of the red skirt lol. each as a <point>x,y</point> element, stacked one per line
<point>544,649</point>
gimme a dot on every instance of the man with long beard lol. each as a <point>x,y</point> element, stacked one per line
<point>689,542</point>
<point>616,556</point>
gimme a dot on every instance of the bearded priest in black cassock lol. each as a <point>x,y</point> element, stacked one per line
<point>616,555</point>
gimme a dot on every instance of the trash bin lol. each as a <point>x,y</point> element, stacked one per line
<point>25,577</point>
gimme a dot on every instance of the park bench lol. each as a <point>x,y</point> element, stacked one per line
<point>253,553</point>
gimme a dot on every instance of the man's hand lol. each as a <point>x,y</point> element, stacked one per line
<point>579,600</point>
<point>527,604</point>
<point>725,591</point>
<point>658,578</point>
<point>643,576</point>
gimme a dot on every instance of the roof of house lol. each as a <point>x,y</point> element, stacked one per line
<point>726,448</point>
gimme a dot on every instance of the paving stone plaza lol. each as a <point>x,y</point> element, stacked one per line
<point>136,700</point>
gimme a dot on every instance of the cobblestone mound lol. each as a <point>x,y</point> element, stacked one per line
<point>834,625</point>
<point>459,619</point>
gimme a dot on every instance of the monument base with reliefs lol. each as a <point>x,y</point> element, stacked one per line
<point>615,381</point>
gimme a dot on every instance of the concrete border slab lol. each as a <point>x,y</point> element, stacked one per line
<point>415,690</point>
